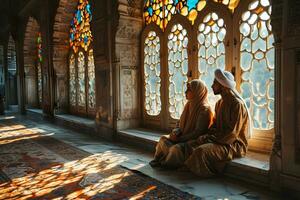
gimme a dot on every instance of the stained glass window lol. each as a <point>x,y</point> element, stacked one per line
<point>177,68</point>
<point>153,12</point>
<point>80,33</point>
<point>152,74</point>
<point>161,11</point>
<point>81,79</point>
<point>72,81</point>
<point>187,8</point>
<point>39,67</point>
<point>211,54</point>
<point>91,76</point>
<point>82,72</point>
<point>257,63</point>
<point>39,46</point>
<point>11,56</point>
<point>232,4</point>
<point>39,79</point>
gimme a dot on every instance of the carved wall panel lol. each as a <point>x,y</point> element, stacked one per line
<point>297,153</point>
<point>31,89</point>
<point>128,56</point>
<point>293,17</point>
<point>129,97</point>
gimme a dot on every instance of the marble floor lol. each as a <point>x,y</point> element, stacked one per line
<point>136,159</point>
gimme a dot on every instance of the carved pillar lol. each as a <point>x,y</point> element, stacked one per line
<point>47,64</point>
<point>20,66</point>
<point>127,63</point>
<point>275,159</point>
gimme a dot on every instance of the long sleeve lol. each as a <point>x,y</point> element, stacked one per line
<point>201,128</point>
<point>232,125</point>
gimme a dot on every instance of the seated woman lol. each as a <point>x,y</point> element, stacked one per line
<point>194,122</point>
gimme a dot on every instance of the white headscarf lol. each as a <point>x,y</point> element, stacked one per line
<point>226,79</point>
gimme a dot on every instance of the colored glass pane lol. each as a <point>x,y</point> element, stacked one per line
<point>211,54</point>
<point>177,68</point>
<point>152,74</point>
<point>257,63</point>
<point>153,12</point>
<point>39,82</point>
<point>80,32</point>
<point>187,8</point>
<point>161,11</point>
<point>81,80</point>
<point>39,67</point>
<point>91,83</point>
<point>39,47</point>
<point>11,56</point>
<point>72,81</point>
<point>231,4</point>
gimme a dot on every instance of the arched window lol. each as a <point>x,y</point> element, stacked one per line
<point>12,97</point>
<point>211,50</point>
<point>152,74</point>
<point>257,63</point>
<point>177,68</point>
<point>197,37</point>
<point>81,63</point>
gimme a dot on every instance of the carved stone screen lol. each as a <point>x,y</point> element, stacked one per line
<point>178,69</point>
<point>81,80</point>
<point>39,68</point>
<point>211,54</point>
<point>152,74</point>
<point>82,97</point>
<point>91,77</point>
<point>257,63</point>
<point>39,82</point>
<point>72,81</point>
<point>297,132</point>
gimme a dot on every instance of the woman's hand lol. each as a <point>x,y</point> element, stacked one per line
<point>173,137</point>
<point>176,131</point>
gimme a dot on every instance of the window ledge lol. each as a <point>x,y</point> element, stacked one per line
<point>254,167</point>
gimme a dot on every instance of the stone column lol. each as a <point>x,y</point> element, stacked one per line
<point>20,66</point>
<point>48,77</point>
<point>5,71</point>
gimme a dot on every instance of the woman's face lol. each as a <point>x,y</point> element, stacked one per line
<point>188,93</point>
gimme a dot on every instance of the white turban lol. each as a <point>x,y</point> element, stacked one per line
<point>225,78</point>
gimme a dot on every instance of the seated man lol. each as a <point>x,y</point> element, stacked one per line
<point>227,138</point>
<point>194,121</point>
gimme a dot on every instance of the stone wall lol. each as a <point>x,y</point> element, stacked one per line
<point>30,59</point>
<point>63,17</point>
<point>289,126</point>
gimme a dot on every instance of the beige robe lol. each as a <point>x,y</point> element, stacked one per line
<point>166,150</point>
<point>226,140</point>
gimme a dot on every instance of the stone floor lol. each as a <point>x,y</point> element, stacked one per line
<point>135,159</point>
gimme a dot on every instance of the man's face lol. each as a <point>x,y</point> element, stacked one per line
<point>217,87</point>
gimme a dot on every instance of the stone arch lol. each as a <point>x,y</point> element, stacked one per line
<point>30,60</point>
<point>61,50</point>
<point>12,96</point>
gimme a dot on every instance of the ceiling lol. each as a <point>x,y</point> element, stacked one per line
<point>9,10</point>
